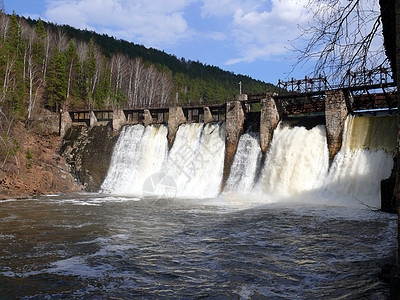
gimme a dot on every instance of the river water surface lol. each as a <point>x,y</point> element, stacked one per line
<point>102,246</point>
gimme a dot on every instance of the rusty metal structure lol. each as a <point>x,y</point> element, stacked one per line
<point>364,90</point>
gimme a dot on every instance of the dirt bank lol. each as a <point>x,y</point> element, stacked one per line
<point>35,167</point>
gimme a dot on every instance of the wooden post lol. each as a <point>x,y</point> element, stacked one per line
<point>59,122</point>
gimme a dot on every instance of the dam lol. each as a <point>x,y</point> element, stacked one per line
<point>307,140</point>
<point>296,166</point>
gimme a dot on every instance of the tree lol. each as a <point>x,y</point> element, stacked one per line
<point>166,85</point>
<point>56,80</point>
<point>89,74</point>
<point>119,63</point>
<point>343,36</point>
<point>102,92</point>
<point>72,67</point>
<point>13,85</point>
<point>135,81</point>
<point>40,38</point>
<point>34,74</point>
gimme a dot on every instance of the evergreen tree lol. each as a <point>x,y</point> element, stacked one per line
<point>89,74</point>
<point>56,80</point>
<point>40,38</point>
<point>102,92</point>
<point>72,69</point>
<point>13,87</point>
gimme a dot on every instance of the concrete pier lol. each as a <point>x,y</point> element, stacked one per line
<point>175,119</point>
<point>93,119</point>
<point>335,116</point>
<point>148,119</point>
<point>208,117</point>
<point>234,129</point>
<point>65,122</point>
<point>119,120</point>
<point>269,119</point>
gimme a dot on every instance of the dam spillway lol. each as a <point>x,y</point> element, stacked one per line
<point>195,162</point>
<point>296,167</point>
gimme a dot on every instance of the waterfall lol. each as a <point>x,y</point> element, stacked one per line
<point>373,133</point>
<point>295,168</point>
<point>365,159</point>
<point>138,154</point>
<point>245,163</point>
<point>196,160</point>
<point>142,165</point>
<point>296,163</point>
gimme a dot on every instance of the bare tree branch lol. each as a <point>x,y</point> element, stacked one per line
<point>343,35</point>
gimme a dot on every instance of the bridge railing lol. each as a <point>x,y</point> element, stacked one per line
<point>361,80</point>
<point>180,104</point>
<point>302,86</point>
<point>379,76</point>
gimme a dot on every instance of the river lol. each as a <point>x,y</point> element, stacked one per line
<point>97,246</point>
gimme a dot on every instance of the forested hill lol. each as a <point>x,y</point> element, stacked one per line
<point>192,80</point>
<point>43,64</point>
<point>110,45</point>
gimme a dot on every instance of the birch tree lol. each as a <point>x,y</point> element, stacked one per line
<point>119,69</point>
<point>73,67</point>
<point>48,38</point>
<point>166,85</point>
<point>136,70</point>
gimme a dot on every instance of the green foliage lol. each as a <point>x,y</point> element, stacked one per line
<point>40,39</point>
<point>102,93</point>
<point>73,69</point>
<point>11,146</point>
<point>75,77</point>
<point>56,80</point>
<point>29,159</point>
<point>215,83</point>
<point>89,70</point>
<point>11,58</point>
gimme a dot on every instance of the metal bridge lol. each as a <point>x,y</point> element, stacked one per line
<point>367,90</point>
<point>364,90</point>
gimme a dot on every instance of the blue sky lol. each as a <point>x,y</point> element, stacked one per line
<point>250,37</point>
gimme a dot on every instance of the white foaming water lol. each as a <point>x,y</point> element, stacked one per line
<point>356,172</point>
<point>296,167</point>
<point>195,161</point>
<point>138,153</point>
<point>245,164</point>
<point>296,163</point>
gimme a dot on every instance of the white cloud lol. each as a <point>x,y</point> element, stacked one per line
<point>154,23</point>
<point>257,29</point>
<point>228,7</point>
<point>263,34</point>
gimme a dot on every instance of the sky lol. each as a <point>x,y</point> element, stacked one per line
<point>249,37</point>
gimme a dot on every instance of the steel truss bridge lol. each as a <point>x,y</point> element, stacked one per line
<point>371,90</point>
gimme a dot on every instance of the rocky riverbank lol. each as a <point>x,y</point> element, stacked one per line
<point>34,166</point>
<point>88,153</point>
